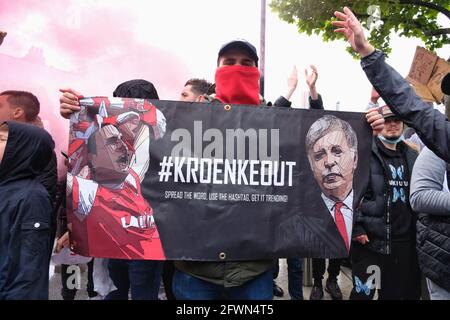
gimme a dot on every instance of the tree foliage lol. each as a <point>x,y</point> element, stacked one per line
<point>408,18</point>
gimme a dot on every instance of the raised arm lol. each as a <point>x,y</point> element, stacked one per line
<point>315,100</point>
<point>431,125</point>
<point>292,81</point>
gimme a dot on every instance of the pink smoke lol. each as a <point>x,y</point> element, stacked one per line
<point>101,51</point>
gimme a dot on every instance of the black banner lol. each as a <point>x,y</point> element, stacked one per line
<point>218,182</point>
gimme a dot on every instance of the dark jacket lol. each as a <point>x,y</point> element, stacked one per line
<point>372,216</point>
<point>433,248</point>
<point>49,177</point>
<point>432,202</point>
<point>61,208</point>
<point>431,125</point>
<point>25,214</point>
<point>313,104</point>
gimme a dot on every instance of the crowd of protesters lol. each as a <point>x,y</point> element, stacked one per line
<point>402,224</point>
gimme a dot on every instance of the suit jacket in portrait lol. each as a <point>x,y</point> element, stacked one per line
<point>312,227</point>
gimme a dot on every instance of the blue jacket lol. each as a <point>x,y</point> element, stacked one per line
<point>25,214</point>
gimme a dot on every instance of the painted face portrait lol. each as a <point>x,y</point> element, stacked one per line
<point>332,156</point>
<point>111,157</point>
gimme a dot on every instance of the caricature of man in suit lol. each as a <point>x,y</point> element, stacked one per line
<point>324,225</point>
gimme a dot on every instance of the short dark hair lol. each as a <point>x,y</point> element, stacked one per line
<point>200,86</point>
<point>26,100</point>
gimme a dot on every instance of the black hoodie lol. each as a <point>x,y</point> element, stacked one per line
<point>25,214</point>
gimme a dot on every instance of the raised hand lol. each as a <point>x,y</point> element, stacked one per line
<point>311,78</point>
<point>349,25</point>
<point>311,82</point>
<point>292,82</point>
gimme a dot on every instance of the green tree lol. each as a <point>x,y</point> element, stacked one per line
<point>408,18</point>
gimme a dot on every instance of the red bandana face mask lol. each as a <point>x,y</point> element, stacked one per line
<point>237,85</point>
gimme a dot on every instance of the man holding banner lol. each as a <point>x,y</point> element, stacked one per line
<point>237,82</point>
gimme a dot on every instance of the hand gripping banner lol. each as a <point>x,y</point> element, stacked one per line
<point>151,179</point>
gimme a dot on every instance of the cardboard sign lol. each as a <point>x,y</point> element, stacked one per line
<point>422,66</point>
<point>422,91</point>
<point>441,68</point>
<point>426,73</point>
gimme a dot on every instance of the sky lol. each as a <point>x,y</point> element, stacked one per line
<point>93,45</point>
<point>182,38</point>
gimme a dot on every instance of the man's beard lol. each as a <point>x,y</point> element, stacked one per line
<point>392,140</point>
<point>392,137</point>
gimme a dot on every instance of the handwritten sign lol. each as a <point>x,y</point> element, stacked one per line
<point>426,74</point>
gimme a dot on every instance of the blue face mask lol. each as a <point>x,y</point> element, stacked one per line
<point>391,141</point>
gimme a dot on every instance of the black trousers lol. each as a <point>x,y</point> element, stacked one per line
<point>318,269</point>
<point>399,272</point>
<point>167,276</point>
